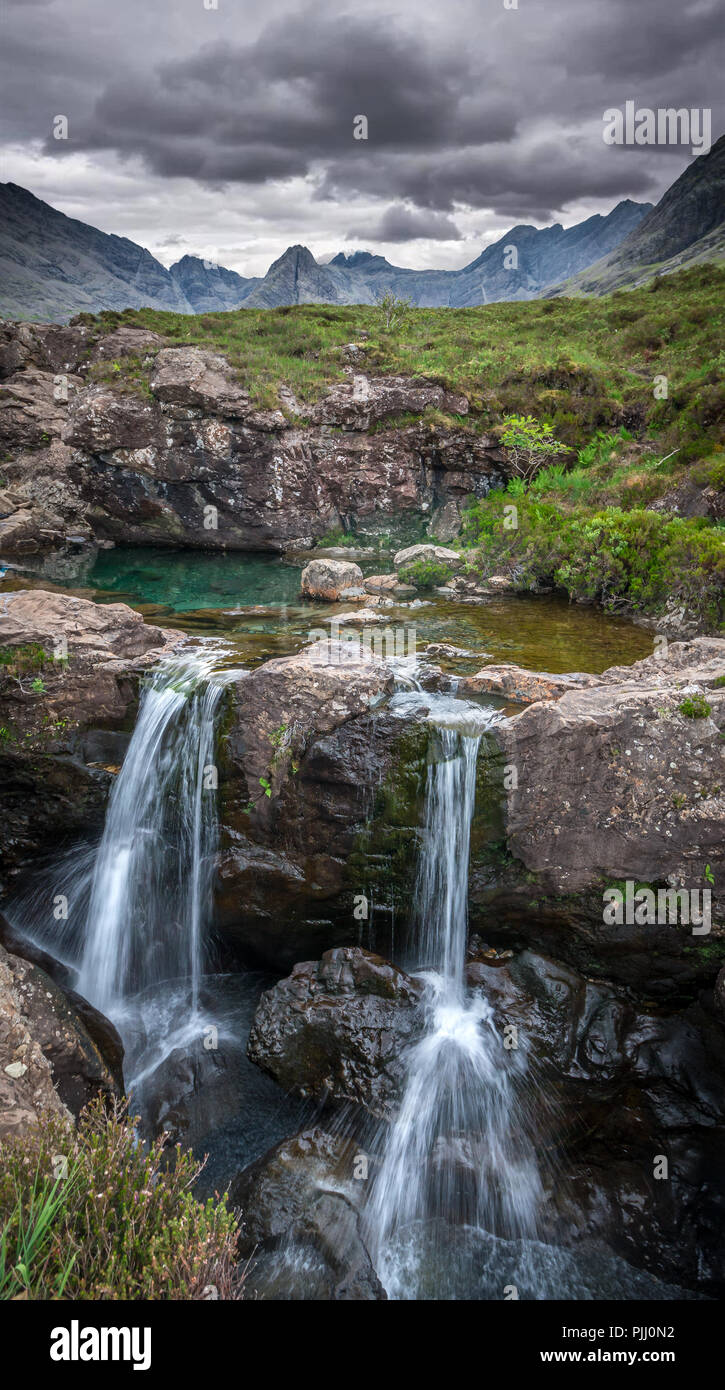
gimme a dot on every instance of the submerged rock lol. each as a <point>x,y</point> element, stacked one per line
<point>337,1028</point>
<point>521,686</point>
<point>300,1207</point>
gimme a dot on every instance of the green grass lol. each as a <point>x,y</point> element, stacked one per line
<point>580,364</point>
<point>585,367</point>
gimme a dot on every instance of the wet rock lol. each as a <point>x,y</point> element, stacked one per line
<point>50,1061</point>
<point>345,780</point>
<point>615,1086</point>
<point>523,687</point>
<point>300,1206</point>
<point>337,1029</point>
<point>332,580</point>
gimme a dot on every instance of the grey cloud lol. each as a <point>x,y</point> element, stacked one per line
<point>401,223</point>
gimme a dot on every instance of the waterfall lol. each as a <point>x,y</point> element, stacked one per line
<point>152,879</point>
<point>458,1153</point>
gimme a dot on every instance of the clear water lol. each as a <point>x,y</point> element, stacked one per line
<point>253,601</point>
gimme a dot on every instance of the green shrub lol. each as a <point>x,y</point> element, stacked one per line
<point>425,573</point>
<point>529,443</point>
<point>695,707</point>
<point>122,1224</point>
<point>635,559</point>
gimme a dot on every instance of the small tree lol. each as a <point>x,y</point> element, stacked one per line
<point>529,444</point>
<point>392,308</point>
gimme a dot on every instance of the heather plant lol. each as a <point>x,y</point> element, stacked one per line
<point>97,1214</point>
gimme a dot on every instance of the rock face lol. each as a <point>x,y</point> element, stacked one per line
<point>337,1028</point>
<point>615,782</point>
<point>51,1058</point>
<point>301,1202</point>
<point>332,580</point>
<point>315,728</point>
<point>192,462</point>
<point>62,734</point>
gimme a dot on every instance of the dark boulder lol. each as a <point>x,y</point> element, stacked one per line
<point>338,1029</point>
<point>300,1221</point>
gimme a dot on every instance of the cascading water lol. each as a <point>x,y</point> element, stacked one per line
<point>151,884</point>
<point>458,1152</point>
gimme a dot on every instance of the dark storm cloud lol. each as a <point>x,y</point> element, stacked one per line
<point>276,107</point>
<point>474,107</point>
<point>400,223</point>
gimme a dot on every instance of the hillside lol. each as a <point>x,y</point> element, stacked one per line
<point>686,227</point>
<point>52,266</point>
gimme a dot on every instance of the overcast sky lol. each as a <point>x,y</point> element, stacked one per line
<point>228,132</point>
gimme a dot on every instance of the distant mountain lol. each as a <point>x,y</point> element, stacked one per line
<point>686,226</point>
<point>542,256</point>
<point>209,288</point>
<point>52,267</point>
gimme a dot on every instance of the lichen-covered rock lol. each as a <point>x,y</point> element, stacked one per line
<point>338,1028</point>
<point>424,551</point>
<point>27,1091</point>
<point>332,580</point>
<point>363,401</point>
<point>617,781</point>
<point>56,1052</point>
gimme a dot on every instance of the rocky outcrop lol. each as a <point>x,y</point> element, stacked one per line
<point>302,1202</point>
<point>332,580</point>
<point>300,864</point>
<point>619,781</point>
<point>337,1029</point>
<point>181,456</point>
<point>68,695</point>
<point>57,1052</point>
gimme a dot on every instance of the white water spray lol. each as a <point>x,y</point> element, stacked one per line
<point>152,880</point>
<point>458,1152</point>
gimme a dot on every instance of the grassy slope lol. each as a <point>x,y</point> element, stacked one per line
<point>586,365</point>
